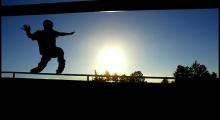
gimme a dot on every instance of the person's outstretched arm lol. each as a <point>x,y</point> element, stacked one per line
<point>27,29</point>
<point>65,33</point>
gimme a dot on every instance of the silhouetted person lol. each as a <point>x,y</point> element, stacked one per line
<point>46,39</point>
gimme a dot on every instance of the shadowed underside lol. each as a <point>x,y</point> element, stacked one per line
<point>93,6</point>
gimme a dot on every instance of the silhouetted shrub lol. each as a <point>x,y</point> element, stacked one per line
<point>165,81</point>
<point>136,76</point>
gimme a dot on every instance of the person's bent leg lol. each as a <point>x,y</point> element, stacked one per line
<point>61,61</point>
<point>41,65</point>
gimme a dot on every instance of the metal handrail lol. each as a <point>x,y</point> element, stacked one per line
<point>86,75</point>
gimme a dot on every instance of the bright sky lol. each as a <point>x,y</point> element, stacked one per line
<point>153,41</point>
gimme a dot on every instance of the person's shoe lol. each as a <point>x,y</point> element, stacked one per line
<point>36,70</point>
<point>59,71</point>
<point>60,68</point>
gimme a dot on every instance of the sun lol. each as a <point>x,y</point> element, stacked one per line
<point>111,59</point>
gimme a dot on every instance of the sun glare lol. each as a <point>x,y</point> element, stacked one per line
<point>111,59</point>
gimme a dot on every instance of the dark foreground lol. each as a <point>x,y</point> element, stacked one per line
<point>86,89</point>
<point>66,88</point>
<point>88,96</point>
<point>182,98</point>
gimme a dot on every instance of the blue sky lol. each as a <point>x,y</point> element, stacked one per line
<point>153,41</point>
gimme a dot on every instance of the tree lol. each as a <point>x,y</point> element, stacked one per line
<point>96,75</point>
<point>199,70</point>
<point>97,78</point>
<point>137,76</point>
<point>213,75</point>
<point>196,71</point>
<point>165,81</point>
<point>182,72</point>
<point>107,75</point>
<point>124,78</point>
<point>115,77</point>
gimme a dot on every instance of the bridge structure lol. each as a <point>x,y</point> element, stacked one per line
<point>96,6</point>
<point>23,91</point>
<point>105,5</point>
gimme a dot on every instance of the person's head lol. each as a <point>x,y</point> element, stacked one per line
<point>48,24</point>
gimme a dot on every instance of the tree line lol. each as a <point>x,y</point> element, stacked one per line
<point>196,71</point>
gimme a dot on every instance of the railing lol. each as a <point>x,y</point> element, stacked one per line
<point>84,75</point>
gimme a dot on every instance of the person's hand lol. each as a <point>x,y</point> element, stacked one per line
<point>26,28</point>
